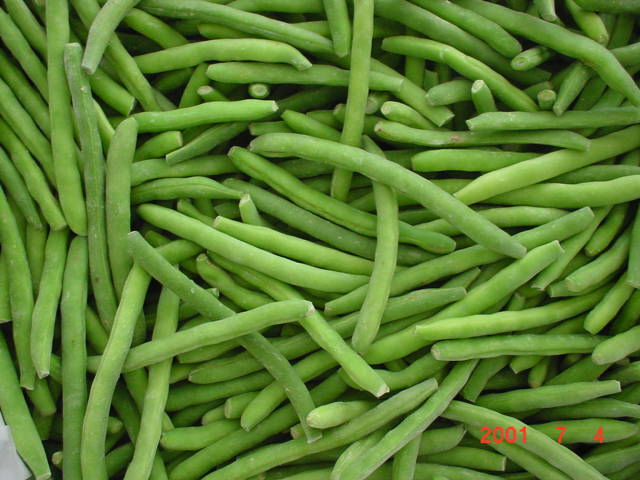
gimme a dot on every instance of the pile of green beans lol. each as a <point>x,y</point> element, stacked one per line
<point>320,239</point>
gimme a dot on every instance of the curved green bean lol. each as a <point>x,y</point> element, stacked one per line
<point>223,50</point>
<point>524,344</point>
<point>102,29</point>
<point>442,139</point>
<point>210,112</point>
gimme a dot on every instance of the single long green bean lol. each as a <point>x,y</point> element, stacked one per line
<point>94,180</point>
<point>192,54</point>
<point>16,413</point>
<point>20,290</point>
<point>152,169</point>
<point>102,29</point>
<point>117,199</point>
<point>468,159</point>
<point>358,90</point>
<point>393,175</point>
<point>507,321</point>
<point>12,181</point>
<point>175,188</point>
<point>524,344</point>
<point>439,139</point>
<point>339,25</point>
<point>43,318</point>
<point>63,148</point>
<point>73,302</point>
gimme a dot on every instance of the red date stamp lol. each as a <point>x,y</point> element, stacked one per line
<point>513,435</point>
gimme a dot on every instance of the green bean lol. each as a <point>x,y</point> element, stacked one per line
<point>249,212</point>
<point>399,112</point>
<point>541,120</point>
<point>259,90</point>
<point>94,177</point>
<point>620,6</point>
<point>159,145</point>
<point>633,274</point>
<point>206,141</point>
<point>46,305</point>
<point>18,45</point>
<point>606,310</point>
<point>537,443</point>
<point>531,58</point>
<point>339,25</point>
<point>68,178</point>
<point>379,285</point>
<point>430,138</point>
<point>337,413</point>
<point>627,374</point>
<point>20,290</point>
<point>507,321</point>
<point>239,72</point>
<point>210,112</point>
<point>601,267</point>
<point>357,428</point>
<point>590,23</point>
<point>393,175</point>
<point>581,431</point>
<point>117,198</point>
<point>486,369</point>
<point>447,93</point>
<point>524,344</point>
<point>503,217</point>
<point>462,260</point>
<point>26,129</point>
<point>468,457</point>
<point>213,414</point>
<point>234,406</point>
<point>260,128</point>
<point>73,303</point>
<point>617,347</point>
<point>12,181</point>
<point>157,392</point>
<point>468,160</point>
<point>628,315</point>
<point>614,461</point>
<point>102,29</point>
<point>404,461</point>
<point>482,97</point>
<point>17,415</point>
<point>174,188</point>
<point>546,9</point>
<point>570,87</point>
<point>358,90</point>
<point>193,54</point>
<point>25,92</point>
<point>548,166</point>
<point>465,65</point>
<point>152,169</point>
<point>607,232</point>
<point>547,396</point>
<point>412,425</point>
<point>560,40</point>
<point>5,306</point>
<point>196,438</point>
<point>598,408</point>
<point>153,28</point>
<point>91,449</point>
<point>215,276</point>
